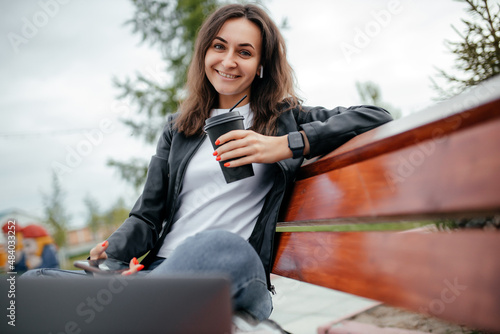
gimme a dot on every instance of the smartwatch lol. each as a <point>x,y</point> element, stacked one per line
<point>296,144</point>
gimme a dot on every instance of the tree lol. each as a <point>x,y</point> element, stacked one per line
<point>94,218</point>
<point>369,93</point>
<point>116,215</point>
<point>107,221</point>
<point>172,27</point>
<point>56,217</point>
<point>478,53</point>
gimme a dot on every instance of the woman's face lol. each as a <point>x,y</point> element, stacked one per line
<point>233,60</point>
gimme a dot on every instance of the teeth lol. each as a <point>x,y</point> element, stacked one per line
<point>226,75</point>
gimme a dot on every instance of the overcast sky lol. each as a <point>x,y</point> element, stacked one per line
<point>59,106</point>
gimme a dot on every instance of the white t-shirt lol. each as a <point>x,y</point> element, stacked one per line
<point>208,202</point>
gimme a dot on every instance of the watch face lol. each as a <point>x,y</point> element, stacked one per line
<point>296,141</point>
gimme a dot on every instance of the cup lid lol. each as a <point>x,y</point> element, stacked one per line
<point>223,118</point>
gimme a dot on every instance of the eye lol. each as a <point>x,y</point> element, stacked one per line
<point>245,53</point>
<point>218,46</point>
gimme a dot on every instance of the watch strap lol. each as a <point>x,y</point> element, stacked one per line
<point>296,144</point>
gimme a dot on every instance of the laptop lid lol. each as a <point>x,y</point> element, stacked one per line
<point>115,304</point>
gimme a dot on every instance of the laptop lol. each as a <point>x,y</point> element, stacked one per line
<point>115,304</point>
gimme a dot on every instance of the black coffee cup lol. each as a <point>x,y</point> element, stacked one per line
<point>218,125</point>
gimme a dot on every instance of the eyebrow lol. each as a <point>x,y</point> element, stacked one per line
<point>242,44</point>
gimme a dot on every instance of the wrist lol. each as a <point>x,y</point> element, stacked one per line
<point>287,153</point>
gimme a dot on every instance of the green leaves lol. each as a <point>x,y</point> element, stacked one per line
<point>478,53</point>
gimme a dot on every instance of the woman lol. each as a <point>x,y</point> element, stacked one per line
<point>188,218</point>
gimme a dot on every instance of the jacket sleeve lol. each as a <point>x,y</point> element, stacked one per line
<point>141,230</point>
<point>327,129</point>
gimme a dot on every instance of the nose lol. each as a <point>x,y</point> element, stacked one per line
<point>228,61</point>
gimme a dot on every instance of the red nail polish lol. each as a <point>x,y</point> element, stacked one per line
<point>226,164</point>
<point>134,261</point>
<point>215,153</point>
<point>104,244</point>
<point>218,158</point>
<point>126,273</point>
<point>217,142</point>
<point>140,267</point>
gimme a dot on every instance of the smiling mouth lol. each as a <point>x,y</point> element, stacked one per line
<point>225,75</point>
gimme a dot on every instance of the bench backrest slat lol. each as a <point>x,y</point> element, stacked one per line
<point>475,107</point>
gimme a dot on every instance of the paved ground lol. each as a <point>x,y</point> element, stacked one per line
<point>301,308</point>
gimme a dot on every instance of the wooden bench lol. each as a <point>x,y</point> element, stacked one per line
<point>337,227</point>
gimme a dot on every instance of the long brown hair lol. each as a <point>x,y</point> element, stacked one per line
<point>269,96</point>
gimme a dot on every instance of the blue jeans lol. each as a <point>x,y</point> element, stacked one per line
<point>216,252</point>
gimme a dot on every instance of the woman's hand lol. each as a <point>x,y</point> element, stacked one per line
<point>251,147</point>
<point>99,252</point>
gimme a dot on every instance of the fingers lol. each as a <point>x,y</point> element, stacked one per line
<point>232,135</point>
<point>238,157</point>
<point>237,144</point>
<point>235,152</point>
<point>239,162</point>
<point>99,251</point>
<point>135,266</point>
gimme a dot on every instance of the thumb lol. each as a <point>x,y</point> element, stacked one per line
<point>98,252</point>
<point>134,267</point>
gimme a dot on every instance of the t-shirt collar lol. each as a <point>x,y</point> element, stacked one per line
<point>244,110</point>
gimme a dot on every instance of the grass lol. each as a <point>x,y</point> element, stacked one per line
<point>399,226</point>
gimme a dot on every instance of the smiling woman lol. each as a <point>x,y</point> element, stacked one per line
<point>261,45</point>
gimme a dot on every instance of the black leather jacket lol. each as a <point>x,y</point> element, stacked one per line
<point>151,217</point>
